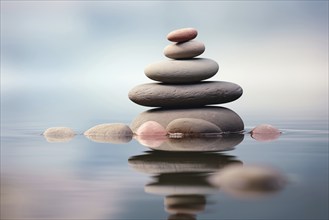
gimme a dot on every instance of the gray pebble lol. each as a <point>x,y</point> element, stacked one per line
<point>182,71</point>
<point>184,50</point>
<point>193,95</point>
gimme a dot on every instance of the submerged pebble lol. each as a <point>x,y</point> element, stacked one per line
<point>58,134</point>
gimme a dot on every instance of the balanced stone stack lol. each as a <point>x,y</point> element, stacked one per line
<point>181,91</point>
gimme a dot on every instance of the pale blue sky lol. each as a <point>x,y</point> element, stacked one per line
<point>79,52</point>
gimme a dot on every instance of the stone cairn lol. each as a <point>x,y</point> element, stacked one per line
<point>182,95</point>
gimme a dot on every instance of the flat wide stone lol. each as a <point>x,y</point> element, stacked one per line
<point>182,71</point>
<point>182,95</point>
<point>226,119</point>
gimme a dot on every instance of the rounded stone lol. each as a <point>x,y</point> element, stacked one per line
<point>180,162</point>
<point>151,128</point>
<point>182,71</point>
<point>265,132</point>
<point>58,134</point>
<point>192,126</point>
<point>183,34</point>
<point>110,133</point>
<point>193,95</point>
<point>184,50</point>
<point>226,119</point>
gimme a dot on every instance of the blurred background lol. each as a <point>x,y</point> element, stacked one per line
<point>72,63</point>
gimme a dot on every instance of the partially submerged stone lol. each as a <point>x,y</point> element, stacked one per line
<point>110,133</point>
<point>226,119</point>
<point>58,134</point>
<point>265,132</point>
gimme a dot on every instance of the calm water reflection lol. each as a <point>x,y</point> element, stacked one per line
<point>182,178</point>
<point>83,179</point>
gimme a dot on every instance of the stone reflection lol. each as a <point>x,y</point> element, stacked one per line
<point>182,178</point>
<point>219,142</point>
<point>155,162</point>
<point>249,181</point>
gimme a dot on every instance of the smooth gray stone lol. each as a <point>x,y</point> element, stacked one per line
<point>226,119</point>
<point>184,50</point>
<point>192,95</point>
<point>191,126</point>
<point>156,162</point>
<point>182,71</point>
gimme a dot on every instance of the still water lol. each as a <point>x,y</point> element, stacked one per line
<point>83,179</point>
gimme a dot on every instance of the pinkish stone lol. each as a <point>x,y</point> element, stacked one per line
<point>151,128</point>
<point>265,132</point>
<point>182,35</point>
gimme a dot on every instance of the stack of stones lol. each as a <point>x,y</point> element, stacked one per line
<point>182,94</point>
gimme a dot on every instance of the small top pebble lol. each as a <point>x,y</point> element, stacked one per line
<point>182,35</point>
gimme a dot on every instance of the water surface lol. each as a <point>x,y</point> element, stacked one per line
<point>82,179</point>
